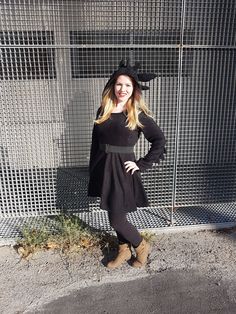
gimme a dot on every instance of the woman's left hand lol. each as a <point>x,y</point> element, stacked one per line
<point>130,165</point>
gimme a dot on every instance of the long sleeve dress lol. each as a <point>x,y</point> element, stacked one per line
<point>109,180</point>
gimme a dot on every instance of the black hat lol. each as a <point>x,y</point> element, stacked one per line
<point>132,71</point>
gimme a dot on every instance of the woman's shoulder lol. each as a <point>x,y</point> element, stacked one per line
<point>148,123</point>
<point>145,116</point>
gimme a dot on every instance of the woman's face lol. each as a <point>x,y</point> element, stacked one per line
<point>123,88</point>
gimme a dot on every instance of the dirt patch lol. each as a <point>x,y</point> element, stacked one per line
<point>48,275</point>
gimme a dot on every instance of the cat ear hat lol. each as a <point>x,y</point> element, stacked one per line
<point>132,71</point>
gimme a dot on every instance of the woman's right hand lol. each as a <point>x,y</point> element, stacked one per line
<point>131,166</point>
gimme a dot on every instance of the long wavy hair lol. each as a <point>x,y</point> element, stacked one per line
<point>134,106</point>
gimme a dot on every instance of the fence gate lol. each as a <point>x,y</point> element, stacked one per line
<point>56,56</point>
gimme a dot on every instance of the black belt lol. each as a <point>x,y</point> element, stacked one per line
<point>116,149</point>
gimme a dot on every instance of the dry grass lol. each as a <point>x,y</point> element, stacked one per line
<point>149,236</point>
<point>71,235</point>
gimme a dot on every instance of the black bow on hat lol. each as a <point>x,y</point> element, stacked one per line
<point>126,69</point>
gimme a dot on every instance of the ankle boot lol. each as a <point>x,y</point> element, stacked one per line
<point>142,252</point>
<point>124,254</point>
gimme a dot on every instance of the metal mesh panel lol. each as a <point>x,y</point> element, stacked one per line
<point>212,23</point>
<point>156,219</point>
<point>206,141</point>
<point>55,59</point>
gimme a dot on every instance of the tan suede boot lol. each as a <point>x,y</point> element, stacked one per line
<point>142,252</point>
<point>124,254</point>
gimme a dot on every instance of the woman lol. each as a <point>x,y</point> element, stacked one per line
<point>114,171</point>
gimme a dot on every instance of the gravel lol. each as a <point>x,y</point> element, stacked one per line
<point>48,275</point>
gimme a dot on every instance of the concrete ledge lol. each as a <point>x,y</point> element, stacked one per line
<point>7,242</point>
<point>188,228</point>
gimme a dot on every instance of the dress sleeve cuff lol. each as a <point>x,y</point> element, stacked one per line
<point>144,165</point>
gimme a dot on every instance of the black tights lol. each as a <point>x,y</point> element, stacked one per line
<point>126,232</point>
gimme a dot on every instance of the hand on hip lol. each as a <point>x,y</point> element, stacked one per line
<point>131,166</point>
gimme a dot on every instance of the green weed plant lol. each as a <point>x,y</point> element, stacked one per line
<point>70,234</point>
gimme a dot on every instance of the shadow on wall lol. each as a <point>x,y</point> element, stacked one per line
<point>74,145</point>
<point>212,214</point>
<point>184,216</point>
<point>72,190</point>
<point>72,198</point>
<point>75,141</point>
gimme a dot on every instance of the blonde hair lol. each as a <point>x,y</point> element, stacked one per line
<point>134,106</point>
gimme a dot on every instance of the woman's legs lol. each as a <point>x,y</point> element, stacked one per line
<point>126,232</point>
<point>120,238</point>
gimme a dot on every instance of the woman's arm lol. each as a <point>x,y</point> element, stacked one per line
<point>155,136</point>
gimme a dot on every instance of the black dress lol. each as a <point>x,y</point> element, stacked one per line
<point>109,180</point>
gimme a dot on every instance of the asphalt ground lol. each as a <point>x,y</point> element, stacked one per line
<point>186,272</point>
<point>171,292</point>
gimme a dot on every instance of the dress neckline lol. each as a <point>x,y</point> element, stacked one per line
<point>124,112</point>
